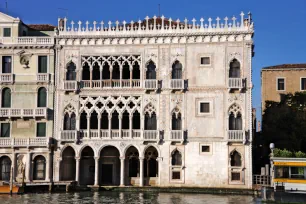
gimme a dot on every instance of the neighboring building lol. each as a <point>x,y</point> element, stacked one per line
<point>155,102</point>
<point>279,80</point>
<point>26,112</point>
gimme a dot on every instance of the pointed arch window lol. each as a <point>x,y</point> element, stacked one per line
<point>6,98</point>
<point>85,72</point>
<point>151,70</point>
<point>176,158</point>
<point>234,71</point>
<point>69,121</point>
<point>71,72</point>
<point>235,118</point>
<point>177,69</point>
<point>42,97</point>
<point>235,159</point>
<point>176,121</point>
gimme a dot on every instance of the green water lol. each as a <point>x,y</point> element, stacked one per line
<point>127,198</point>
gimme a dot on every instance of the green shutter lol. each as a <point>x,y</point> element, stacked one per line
<point>6,32</point>
<point>42,64</point>
<point>41,130</point>
<point>42,97</point>
<point>6,98</point>
<point>5,130</point>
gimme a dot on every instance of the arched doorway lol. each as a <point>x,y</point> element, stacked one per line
<point>87,167</point>
<point>151,166</point>
<point>132,168</point>
<point>5,168</point>
<point>39,170</point>
<point>109,166</point>
<point>68,167</point>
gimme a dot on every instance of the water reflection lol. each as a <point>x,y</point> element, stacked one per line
<point>127,198</point>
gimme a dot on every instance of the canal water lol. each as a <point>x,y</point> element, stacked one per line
<point>127,198</point>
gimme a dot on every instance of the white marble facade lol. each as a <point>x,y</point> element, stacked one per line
<point>110,100</point>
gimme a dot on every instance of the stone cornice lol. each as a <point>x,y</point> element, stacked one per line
<point>27,46</point>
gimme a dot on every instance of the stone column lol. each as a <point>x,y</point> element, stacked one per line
<point>14,167</point>
<point>120,70</point>
<point>110,126</point>
<point>141,171</point>
<point>99,126</point>
<point>122,171</point>
<point>77,169</point>
<point>120,125</point>
<point>48,167</point>
<point>88,126</point>
<point>58,169</point>
<point>101,69</point>
<point>131,126</point>
<point>28,167</point>
<point>90,70</point>
<point>96,171</point>
<point>159,160</point>
<point>131,77</point>
<point>142,125</point>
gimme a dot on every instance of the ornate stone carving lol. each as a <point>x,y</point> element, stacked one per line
<point>20,167</point>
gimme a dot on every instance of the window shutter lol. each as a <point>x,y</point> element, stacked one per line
<point>6,64</point>
<point>42,97</point>
<point>5,129</point>
<point>6,98</point>
<point>41,130</point>
<point>42,64</point>
<point>7,32</point>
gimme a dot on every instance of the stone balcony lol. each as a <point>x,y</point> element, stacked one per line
<point>70,85</point>
<point>236,83</point>
<point>42,78</point>
<point>23,113</point>
<point>25,142</point>
<point>236,136</point>
<point>151,84</point>
<point>27,41</point>
<point>74,135</point>
<point>6,78</point>
<point>177,84</point>
<point>108,84</point>
<point>177,136</point>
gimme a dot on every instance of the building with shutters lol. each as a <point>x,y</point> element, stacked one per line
<point>157,102</point>
<point>26,104</point>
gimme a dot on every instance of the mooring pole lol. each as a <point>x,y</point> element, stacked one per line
<point>11,180</point>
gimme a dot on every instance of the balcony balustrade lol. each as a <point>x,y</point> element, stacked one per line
<point>70,85</point>
<point>6,78</point>
<point>24,142</point>
<point>151,84</point>
<point>236,83</point>
<point>21,113</point>
<point>69,135</point>
<point>177,84</point>
<point>42,77</point>
<point>236,136</point>
<point>151,135</point>
<point>27,41</point>
<point>177,136</point>
<point>115,83</point>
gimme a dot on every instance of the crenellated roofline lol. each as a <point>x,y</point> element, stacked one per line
<point>156,26</point>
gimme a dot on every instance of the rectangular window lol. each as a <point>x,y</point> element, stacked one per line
<point>5,129</point>
<point>303,84</point>
<point>41,130</point>
<point>176,175</point>
<point>6,64</point>
<point>235,176</point>
<point>297,172</point>
<point>42,64</point>
<point>205,60</point>
<point>280,84</point>
<point>204,107</point>
<point>281,172</point>
<point>6,32</point>
<point>205,148</point>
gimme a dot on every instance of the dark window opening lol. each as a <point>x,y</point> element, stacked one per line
<point>126,71</point>
<point>235,176</point>
<point>205,60</point>
<point>6,64</point>
<point>235,123</point>
<point>177,70</point>
<point>105,71</point>
<point>234,71</point>
<point>136,71</point>
<point>150,122</point>
<point>94,121</point>
<point>39,168</point>
<point>176,158</point>
<point>125,120</point>
<point>5,130</point>
<point>42,97</point>
<point>41,130</point>
<point>83,121</point>
<point>115,120</point>
<point>6,32</point>
<point>303,84</point>
<point>235,159</point>
<point>116,71</point>
<point>6,98</point>
<point>280,84</point>
<point>151,72</point>
<point>205,148</point>
<point>5,168</point>
<point>136,120</point>
<point>176,122</point>
<point>42,64</point>
<point>204,107</point>
<point>96,72</point>
<point>69,122</point>
<point>104,120</point>
<point>176,175</point>
<point>85,72</point>
<point>71,72</point>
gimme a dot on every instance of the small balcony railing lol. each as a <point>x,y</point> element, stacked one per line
<point>20,113</point>
<point>27,40</point>
<point>151,84</point>
<point>69,135</point>
<point>236,83</point>
<point>136,134</point>
<point>236,135</point>
<point>151,135</point>
<point>24,142</point>
<point>6,78</point>
<point>177,135</point>
<point>70,85</point>
<point>42,77</point>
<point>177,84</point>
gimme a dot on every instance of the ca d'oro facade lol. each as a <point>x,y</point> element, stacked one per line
<point>157,102</point>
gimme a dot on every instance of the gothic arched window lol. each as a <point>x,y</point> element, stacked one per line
<point>69,121</point>
<point>176,158</point>
<point>151,72</point>
<point>42,97</point>
<point>85,72</point>
<point>176,121</point>
<point>177,69</point>
<point>71,72</point>
<point>235,118</point>
<point>234,71</point>
<point>6,98</point>
<point>235,159</point>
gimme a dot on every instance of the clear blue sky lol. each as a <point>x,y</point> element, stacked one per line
<point>280,25</point>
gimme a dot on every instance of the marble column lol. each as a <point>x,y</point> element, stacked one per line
<point>48,167</point>
<point>28,167</point>
<point>122,159</point>
<point>141,171</point>
<point>96,171</point>
<point>77,169</point>
<point>88,126</point>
